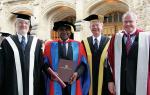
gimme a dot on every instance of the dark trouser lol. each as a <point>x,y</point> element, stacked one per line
<point>66,90</point>
<point>125,92</point>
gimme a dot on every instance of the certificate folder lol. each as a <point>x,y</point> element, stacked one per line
<point>65,69</point>
<point>51,72</point>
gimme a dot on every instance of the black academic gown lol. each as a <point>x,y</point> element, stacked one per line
<point>95,65</point>
<point>1,70</point>
<point>129,68</point>
<point>10,78</point>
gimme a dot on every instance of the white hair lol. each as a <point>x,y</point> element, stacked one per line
<point>129,13</point>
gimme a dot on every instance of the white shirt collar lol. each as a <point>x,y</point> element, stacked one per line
<point>20,37</point>
<point>131,32</point>
<point>98,39</point>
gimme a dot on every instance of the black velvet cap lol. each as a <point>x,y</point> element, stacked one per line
<point>4,34</point>
<point>61,24</point>
<point>24,14</point>
<point>94,17</point>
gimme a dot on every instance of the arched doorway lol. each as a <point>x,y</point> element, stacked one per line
<point>59,13</point>
<point>54,34</point>
<point>53,12</point>
<point>112,11</point>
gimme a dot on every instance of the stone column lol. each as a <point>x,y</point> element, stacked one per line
<point>138,8</point>
<point>2,16</point>
<point>143,12</point>
<point>35,18</point>
<point>147,18</point>
<point>1,5</point>
<point>79,17</point>
<point>43,23</point>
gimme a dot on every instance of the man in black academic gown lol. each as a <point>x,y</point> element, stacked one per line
<point>22,60</point>
<point>96,47</point>
<point>1,59</point>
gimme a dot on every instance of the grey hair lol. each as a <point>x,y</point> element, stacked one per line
<point>129,13</point>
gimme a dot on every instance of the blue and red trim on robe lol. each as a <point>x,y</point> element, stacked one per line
<point>79,87</point>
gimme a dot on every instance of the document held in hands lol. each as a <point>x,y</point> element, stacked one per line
<point>51,72</point>
<point>65,69</point>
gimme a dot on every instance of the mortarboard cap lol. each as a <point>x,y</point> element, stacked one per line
<point>4,34</point>
<point>24,14</point>
<point>60,24</point>
<point>94,17</point>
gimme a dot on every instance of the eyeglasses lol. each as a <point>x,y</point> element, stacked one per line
<point>20,20</point>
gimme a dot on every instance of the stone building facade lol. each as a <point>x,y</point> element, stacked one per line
<point>46,12</point>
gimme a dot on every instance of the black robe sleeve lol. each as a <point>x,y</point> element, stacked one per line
<point>1,71</point>
<point>40,83</point>
<point>107,71</point>
<point>80,69</point>
<point>2,66</point>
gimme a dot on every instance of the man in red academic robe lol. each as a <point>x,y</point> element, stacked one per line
<point>128,56</point>
<point>66,49</point>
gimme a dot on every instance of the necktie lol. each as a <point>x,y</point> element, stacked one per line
<point>128,43</point>
<point>69,52</point>
<point>64,49</point>
<point>96,44</point>
<point>23,43</point>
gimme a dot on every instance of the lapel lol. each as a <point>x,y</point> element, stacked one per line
<point>28,45</point>
<point>18,44</point>
<point>59,50</point>
<point>134,44</point>
<point>90,41</point>
<point>16,40</point>
<point>102,44</point>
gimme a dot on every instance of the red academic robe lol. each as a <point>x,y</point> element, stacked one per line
<point>51,57</point>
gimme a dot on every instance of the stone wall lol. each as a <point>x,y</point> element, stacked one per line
<point>46,12</point>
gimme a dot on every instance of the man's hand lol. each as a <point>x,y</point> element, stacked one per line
<point>111,87</point>
<point>73,77</point>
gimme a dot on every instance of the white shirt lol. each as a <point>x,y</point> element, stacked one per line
<point>20,38</point>
<point>66,48</point>
<point>98,40</point>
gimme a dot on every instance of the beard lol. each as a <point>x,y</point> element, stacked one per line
<point>22,31</point>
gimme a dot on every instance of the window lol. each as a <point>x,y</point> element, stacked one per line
<point>113,17</point>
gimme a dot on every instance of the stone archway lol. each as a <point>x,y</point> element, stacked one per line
<point>59,11</point>
<point>110,8</point>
